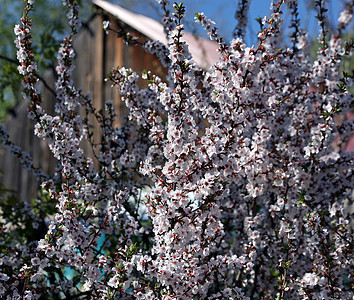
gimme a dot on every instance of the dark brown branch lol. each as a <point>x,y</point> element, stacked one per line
<point>36,74</point>
<point>87,293</point>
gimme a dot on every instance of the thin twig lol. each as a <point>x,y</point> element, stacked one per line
<point>36,74</point>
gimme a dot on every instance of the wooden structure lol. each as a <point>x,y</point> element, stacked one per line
<point>97,53</point>
<point>108,51</point>
<point>20,130</point>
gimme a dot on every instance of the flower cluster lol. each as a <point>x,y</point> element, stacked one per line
<point>222,184</point>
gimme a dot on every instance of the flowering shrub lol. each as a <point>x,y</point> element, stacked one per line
<point>222,185</point>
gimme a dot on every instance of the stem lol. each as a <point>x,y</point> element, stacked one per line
<point>13,61</point>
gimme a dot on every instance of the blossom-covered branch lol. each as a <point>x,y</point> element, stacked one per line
<point>222,184</point>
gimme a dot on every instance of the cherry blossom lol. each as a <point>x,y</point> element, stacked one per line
<point>222,183</point>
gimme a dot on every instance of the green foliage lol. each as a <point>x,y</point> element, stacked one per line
<point>9,89</point>
<point>49,28</point>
